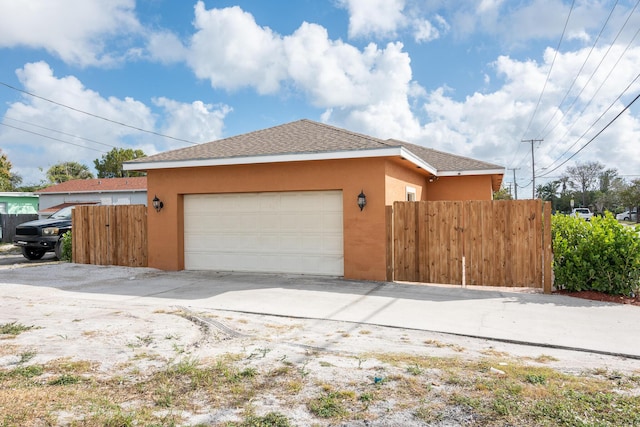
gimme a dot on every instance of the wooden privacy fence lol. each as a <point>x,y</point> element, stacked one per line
<point>490,243</point>
<point>9,222</point>
<point>110,235</point>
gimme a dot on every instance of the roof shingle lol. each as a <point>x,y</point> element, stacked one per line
<point>308,137</point>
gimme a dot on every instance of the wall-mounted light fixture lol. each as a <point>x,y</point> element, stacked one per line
<point>362,200</point>
<point>157,204</point>
<point>433,178</point>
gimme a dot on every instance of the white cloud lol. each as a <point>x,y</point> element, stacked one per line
<point>424,31</point>
<point>165,47</point>
<point>377,18</point>
<point>195,121</point>
<point>490,126</point>
<point>198,122</point>
<point>232,51</point>
<point>77,31</point>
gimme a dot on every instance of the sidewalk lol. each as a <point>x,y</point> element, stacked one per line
<point>529,318</point>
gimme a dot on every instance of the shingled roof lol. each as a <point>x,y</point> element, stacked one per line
<point>309,140</point>
<point>99,185</point>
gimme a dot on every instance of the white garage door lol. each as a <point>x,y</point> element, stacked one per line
<point>292,232</point>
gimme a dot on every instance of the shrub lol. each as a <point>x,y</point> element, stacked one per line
<point>601,255</point>
<point>67,247</point>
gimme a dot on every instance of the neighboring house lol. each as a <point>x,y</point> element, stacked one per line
<point>103,191</point>
<point>285,199</point>
<point>18,203</point>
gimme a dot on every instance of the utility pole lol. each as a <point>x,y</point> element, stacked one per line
<point>533,166</point>
<point>515,184</point>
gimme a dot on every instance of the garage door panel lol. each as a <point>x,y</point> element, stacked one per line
<point>298,232</point>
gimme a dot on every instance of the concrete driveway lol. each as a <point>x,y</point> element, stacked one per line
<point>519,317</point>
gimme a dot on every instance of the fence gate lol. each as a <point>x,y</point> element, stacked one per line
<point>110,235</point>
<point>491,243</point>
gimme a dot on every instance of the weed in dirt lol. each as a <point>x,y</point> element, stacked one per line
<point>414,369</point>
<point>65,379</point>
<point>545,358</point>
<point>429,413</point>
<point>271,419</point>
<point>26,356</point>
<point>435,390</point>
<point>14,328</point>
<point>331,404</point>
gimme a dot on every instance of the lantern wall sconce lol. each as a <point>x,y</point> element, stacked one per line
<point>362,200</point>
<point>433,178</point>
<point>157,203</point>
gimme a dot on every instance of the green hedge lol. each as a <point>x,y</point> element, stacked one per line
<point>67,246</point>
<point>601,255</point>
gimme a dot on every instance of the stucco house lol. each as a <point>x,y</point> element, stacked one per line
<point>18,203</point>
<point>291,199</point>
<point>100,191</point>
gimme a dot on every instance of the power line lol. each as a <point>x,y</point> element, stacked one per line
<point>61,132</point>
<point>533,166</point>
<point>595,71</point>
<point>97,116</point>
<point>575,79</point>
<point>594,137</point>
<point>535,111</point>
<point>50,137</point>
<point>594,123</point>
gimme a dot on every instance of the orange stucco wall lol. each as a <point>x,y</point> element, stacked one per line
<point>364,232</point>
<point>477,187</point>
<point>383,180</point>
<point>399,176</point>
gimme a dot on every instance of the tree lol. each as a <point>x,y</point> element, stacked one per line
<point>67,171</point>
<point>7,179</point>
<point>583,177</point>
<point>110,165</point>
<point>502,194</point>
<point>549,192</point>
<point>630,196</point>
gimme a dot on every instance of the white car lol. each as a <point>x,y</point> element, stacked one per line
<point>583,213</point>
<point>627,216</point>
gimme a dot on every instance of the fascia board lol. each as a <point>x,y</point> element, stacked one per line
<point>280,158</point>
<point>300,157</point>
<point>472,172</point>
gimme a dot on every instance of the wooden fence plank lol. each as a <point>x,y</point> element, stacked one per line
<point>388,218</point>
<point>547,251</point>
<point>503,243</point>
<point>110,235</point>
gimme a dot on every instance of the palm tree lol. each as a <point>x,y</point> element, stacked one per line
<point>67,171</point>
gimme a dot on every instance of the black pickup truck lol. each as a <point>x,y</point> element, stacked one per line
<point>44,235</point>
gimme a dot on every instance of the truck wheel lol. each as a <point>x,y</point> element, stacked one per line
<point>32,254</point>
<point>58,249</point>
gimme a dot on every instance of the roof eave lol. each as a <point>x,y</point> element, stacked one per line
<point>282,158</point>
<point>397,151</point>
<point>497,171</point>
<point>137,190</point>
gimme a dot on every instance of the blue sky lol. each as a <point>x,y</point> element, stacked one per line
<point>472,78</point>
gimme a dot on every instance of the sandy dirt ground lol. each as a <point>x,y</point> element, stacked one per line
<point>133,337</point>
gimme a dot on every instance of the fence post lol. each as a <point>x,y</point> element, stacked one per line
<point>547,251</point>
<point>388,217</point>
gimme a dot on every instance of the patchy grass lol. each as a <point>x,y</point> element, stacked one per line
<point>14,328</point>
<point>447,391</point>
